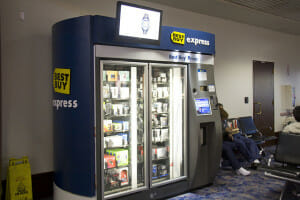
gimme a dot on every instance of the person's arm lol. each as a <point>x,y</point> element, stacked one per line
<point>228,131</point>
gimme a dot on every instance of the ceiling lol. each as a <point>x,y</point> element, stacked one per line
<point>278,15</point>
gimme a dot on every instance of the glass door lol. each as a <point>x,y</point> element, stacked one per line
<point>168,126</point>
<point>124,135</point>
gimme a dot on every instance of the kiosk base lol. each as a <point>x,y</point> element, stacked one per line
<point>60,194</point>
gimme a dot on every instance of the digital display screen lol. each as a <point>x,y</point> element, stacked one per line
<point>139,22</point>
<point>203,106</point>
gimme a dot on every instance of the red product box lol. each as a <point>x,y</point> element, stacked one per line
<point>109,161</point>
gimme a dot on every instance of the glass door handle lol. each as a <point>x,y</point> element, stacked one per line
<point>260,110</point>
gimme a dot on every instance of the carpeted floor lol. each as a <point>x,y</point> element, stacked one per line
<point>228,185</point>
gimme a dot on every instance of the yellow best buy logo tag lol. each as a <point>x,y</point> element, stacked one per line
<point>61,80</point>
<point>177,37</point>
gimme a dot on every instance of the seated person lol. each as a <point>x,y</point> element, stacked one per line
<point>231,142</point>
<point>295,126</point>
<point>228,149</point>
<point>228,152</point>
<point>246,146</point>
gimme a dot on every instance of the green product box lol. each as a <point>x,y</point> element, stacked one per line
<point>121,156</point>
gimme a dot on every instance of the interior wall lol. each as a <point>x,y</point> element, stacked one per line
<point>27,76</point>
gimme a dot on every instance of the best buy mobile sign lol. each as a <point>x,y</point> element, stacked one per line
<point>61,80</point>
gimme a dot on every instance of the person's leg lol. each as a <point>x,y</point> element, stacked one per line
<point>242,148</point>
<point>252,147</point>
<point>227,151</point>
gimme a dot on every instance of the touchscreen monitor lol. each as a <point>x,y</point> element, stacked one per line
<point>203,106</point>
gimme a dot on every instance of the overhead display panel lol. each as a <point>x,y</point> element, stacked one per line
<point>139,24</point>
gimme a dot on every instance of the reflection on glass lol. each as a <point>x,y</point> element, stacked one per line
<point>167,123</point>
<point>123,127</point>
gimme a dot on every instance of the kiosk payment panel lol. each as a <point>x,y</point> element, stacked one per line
<point>205,132</point>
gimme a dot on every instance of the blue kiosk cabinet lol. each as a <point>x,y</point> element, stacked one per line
<point>132,120</point>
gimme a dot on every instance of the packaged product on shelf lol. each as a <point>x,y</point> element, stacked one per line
<point>121,156</point>
<point>153,107</point>
<point>111,179</point>
<point>125,109</point>
<point>125,125</point>
<point>160,92</point>
<point>165,92</point>
<point>164,134</point>
<point>115,109</point>
<point>140,153</point>
<point>163,121</point>
<point>159,79</point>
<point>109,161</point>
<point>155,135</point>
<point>159,107</point>
<point>114,92</point>
<point>154,93</point>
<point>140,93</point>
<point>117,125</point>
<point>107,125</point>
<point>124,75</point>
<point>154,153</point>
<point>123,175</point>
<point>118,109</point>
<point>155,121</point>
<point>163,77</point>
<point>165,107</point>
<point>154,171</point>
<point>162,152</point>
<point>107,108</point>
<point>106,92</point>
<point>113,141</point>
<point>124,92</point>
<point>162,170</point>
<point>112,75</point>
<point>124,138</point>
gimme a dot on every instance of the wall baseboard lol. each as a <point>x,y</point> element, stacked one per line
<point>42,186</point>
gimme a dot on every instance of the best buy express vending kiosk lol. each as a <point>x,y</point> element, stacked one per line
<point>132,119</point>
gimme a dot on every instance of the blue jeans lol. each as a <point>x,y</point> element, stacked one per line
<point>228,152</point>
<point>246,146</point>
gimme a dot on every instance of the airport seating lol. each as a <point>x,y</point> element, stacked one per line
<point>248,128</point>
<point>245,126</point>
<point>285,164</point>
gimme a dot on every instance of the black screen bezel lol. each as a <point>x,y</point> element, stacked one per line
<point>134,39</point>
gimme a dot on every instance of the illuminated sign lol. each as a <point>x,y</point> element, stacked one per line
<point>178,37</point>
<point>197,41</point>
<point>62,80</point>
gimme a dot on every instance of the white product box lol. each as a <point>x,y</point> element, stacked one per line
<point>114,92</point>
<point>106,92</point>
<point>124,75</point>
<point>162,152</point>
<point>113,141</point>
<point>164,121</point>
<point>164,135</point>
<point>124,92</point>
